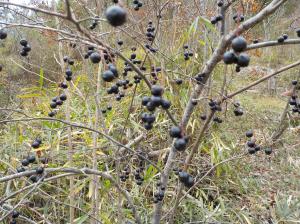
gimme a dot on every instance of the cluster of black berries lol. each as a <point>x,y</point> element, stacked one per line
<point>151,103</point>
<point>200,78</point>
<point>150,48</point>
<point>116,15</point>
<point>215,106</point>
<point>150,31</point>
<point>26,48</point>
<point>181,141</point>
<point>14,215</point>
<point>282,38</point>
<point>125,174</point>
<point>294,102</point>
<point>57,101</point>
<point>238,111</point>
<point>108,108</point>
<point>185,178</point>
<point>239,44</point>
<point>254,148</point>
<point>187,54</point>
<point>95,23</point>
<point>139,179</point>
<point>31,160</point>
<point>69,72</point>
<point>160,194</point>
<point>214,20</point>
<point>3,35</point>
<point>137,4</point>
<point>154,72</point>
<point>238,18</point>
<point>110,74</point>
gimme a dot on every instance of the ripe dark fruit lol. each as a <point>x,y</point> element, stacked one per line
<point>175,132</point>
<point>64,85</point>
<point>63,97</point>
<point>285,36</point>
<point>20,169</point>
<point>203,117</point>
<point>294,82</point>
<point>239,44</point>
<point>243,60</point>
<point>34,179</point>
<point>95,57</point>
<point>251,151</point>
<point>3,34</point>
<point>251,144</point>
<point>220,3</point>
<point>31,159</point>
<point>280,40</point>
<point>23,42</point>
<point>156,90</point>
<point>69,72</point>
<point>23,53</point>
<point>51,113</point>
<point>148,126</point>
<point>15,214</point>
<point>249,134</point>
<point>165,104</point>
<point>229,58</point>
<point>190,182</point>
<point>268,151</point>
<point>35,145</point>
<point>27,48</point>
<point>25,162</point>
<point>145,100</point>
<point>53,105</point>
<point>39,170</point>
<point>156,101</point>
<point>183,176</point>
<point>298,32</point>
<point>180,144</point>
<point>257,148</point>
<point>108,76</point>
<point>178,81</point>
<point>113,69</point>
<point>116,15</point>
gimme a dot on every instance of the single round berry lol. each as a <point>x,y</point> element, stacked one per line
<point>95,57</point>
<point>175,132</point>
<point>31,159</point>
<point>63,97</point>
<point>25,162</point>
<point>108,76</point>
<point>268,151</point>
<point>251,151</point>
<point>239,44</point>
<point>116,15</point>
<point>183,176</point>
<point>249,134</point>
<point>3,34</point>
<point>180,144</point>
<point>33,178</point>
<point>20,169</point>
<point>15,214</point>
<point>39,170</point>
<point>165,104</point>
<point>157,90</point>
<point>23,42</point>
<point>243,60</point>
<point>251,144</point>
<point>229,58</point>
<point>35,145</point>
<point>294,82</point>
